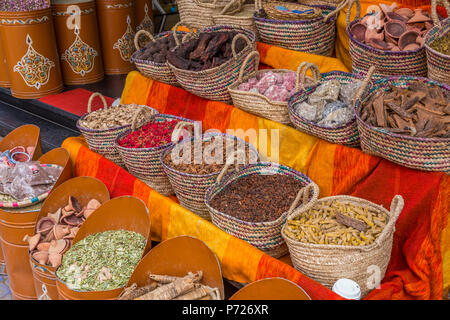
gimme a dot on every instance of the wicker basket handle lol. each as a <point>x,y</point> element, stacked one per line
<point>301,74</point>
<point>206,4</point>
<point>397,205</point>
<point>366,81</point>
<point>138,34</point>
<point>235,39</point>
<point>139,112</point>
<point>229,5</point>
<point>258,5</point>
<point>176,133</point>
<point>303,194</point>
<point>246,61</point>
<point>340,6</point>
<point>96,94</point>
<point>349,11</point>
<point>175,36</point>
<point>228,163</point>
<point>434,14</point>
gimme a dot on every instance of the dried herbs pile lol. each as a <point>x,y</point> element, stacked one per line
<point>156,51</point>
<point>338,223</point>
<point>211,159</point>
<point>23,5</point>
<point>421,110</point>
<point>152,134</point>
<point>102,261</point>
<point>111,117</point>
<point>55,232</point>
<point>207,51</point>
<point>330,104</point>
<point>442,44</point>
<point>258,198</point>
<point>165,287</point>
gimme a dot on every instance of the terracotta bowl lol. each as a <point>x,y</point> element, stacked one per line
<point>271,289</point>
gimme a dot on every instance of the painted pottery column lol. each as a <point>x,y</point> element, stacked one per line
<point>32,57</point>
<point>117,29</point>
<point>4,80</point>
<point>78,42</point>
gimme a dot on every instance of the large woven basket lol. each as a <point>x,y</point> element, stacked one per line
<point>237,14</point>
<point>430,154</point>
<point>346,134</point>
<point>257,103</point>
<point>212,84</point>
<point>103,141</point>
<point>199,13</point>
<point>145,163</point>
<point>387,63</point>
<point>328,263</point>
<point>316,36</point>
<point>437,62</point>
<point>265,236</point>
<point>190,189</point>
<point>158,71</point>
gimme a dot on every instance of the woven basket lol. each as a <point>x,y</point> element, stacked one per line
<point>430,154</point>
<point>346,134</point>
<point>237,14</point>
<point>328,263</point>
<point>145,163</point>
<point>212,84</point>
<point>158,71</point>
<point>257,103</point>
<point>265,236</point>
<point>316,36</point>
<point>102,140</point>
<point>272,12</point>
<point>190,189</point>
<point>199,13</point>
<point>437,62</point>
<point>387,63</point>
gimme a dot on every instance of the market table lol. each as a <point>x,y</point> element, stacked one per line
<point>420,261</point>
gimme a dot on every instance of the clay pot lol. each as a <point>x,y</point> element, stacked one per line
<point>271,289</point>
<point>419,16</point>
<point>380,44</point>
<point>407,38</point>
<point>45,225</point>
<point>60,231</point>
<point>32,241</point>
<point>33,35</point>
<point>74,204</point>
<point>55,259</point>
<point>79,66</point>
<point>392,16</point>
<point>405,12</point>
<point>93,204</point>
<point>386,9</point>
<point>43,246</point>
<point>72,233</point>
<point>395,28</point>
<point>373,34</point>
<point>55,216</point>
<point>395,48</point>
<point>72,220</point>
<point>411,47</point>
<point>87,213</point>
<point>40,256</point>
<point>358,31</point>
<point>116,22</point>
<point>58,246</point>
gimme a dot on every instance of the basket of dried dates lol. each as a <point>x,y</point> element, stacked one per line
<point>100,128</point>
<point>151,60</point>
<point>407,121</point>
<point>247,205</point>
<point>193,165</point>
<point>141,148</point>
<point>326,109</point>
<point>206,66</point>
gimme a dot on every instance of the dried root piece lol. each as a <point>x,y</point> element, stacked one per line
<point>134,292</point>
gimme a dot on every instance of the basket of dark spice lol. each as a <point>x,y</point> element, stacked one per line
<point>105,251</point>
<point>326,109</point>
<point>206,66</point>
<point>342,237</point>
<point>406,120</point>
<point>100,128</point>
<point>193,165</point>
<point>141,148</point>
<point>151,60</point>
<point>437,44</point>
<point>247,205</point>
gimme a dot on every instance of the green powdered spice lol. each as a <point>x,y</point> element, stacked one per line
<point>102,261</point>
<point>442,44</point>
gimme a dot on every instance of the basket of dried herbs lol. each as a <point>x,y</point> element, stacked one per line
<point>246,204</point>
<point>341,237</point>
<point>101,127</point>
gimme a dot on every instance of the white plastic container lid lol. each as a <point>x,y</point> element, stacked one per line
<point>348,289</point>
